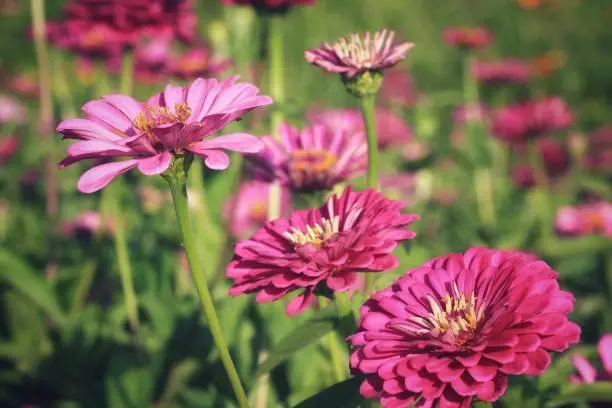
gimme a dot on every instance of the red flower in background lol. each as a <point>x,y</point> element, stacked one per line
<point>598,155</point>
<point>501,72</point>
<point>351,233</point>
<point>398,88</point>
<point>8,147</point>
<point>586,373</point>
<point>455,328</point>
<point>468,37</point>
<point>554,156</point>
<point>523,121</point>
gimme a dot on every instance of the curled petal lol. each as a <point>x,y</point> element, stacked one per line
<point>98,177</point>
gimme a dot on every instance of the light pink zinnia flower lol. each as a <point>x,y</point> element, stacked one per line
<point>248,210</point>
<point>176,121</point>
<point>586,373</point>
<point>523,121</point>
<point>85,224</point>
<point>321,247</point>
<point>392,130</point>
<point>398,88</point>
<point>311,159</point>
<point>453,329</point>
<point>585,219</point>
<point>470,113</point>
<point>468,37</point>
<point>501,72</point>
<point>195,62</point>
<point>11,111</point>
<point>355,55</point>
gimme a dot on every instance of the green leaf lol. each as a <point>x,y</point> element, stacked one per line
<point>129,382</point>
<point>304,335</point>
<point>177,380</point>
<point>575,393</point>
<point>31,284</point>
<point>341,395</point>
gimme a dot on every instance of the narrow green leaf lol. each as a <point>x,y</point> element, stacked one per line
<point>177,379</point>
<point>33,286</point>
<point>344,394</point>
<point>575,393</point>
<point>304,335</point>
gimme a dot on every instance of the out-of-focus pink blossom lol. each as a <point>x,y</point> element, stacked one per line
<point>391,128</point>
<point>196,62</point>
<point>8,147</point>
<point>468,37</point>
<point>398,88</point>
<point>248,210</point>
<point>470,113</point>
<point>586,373</point>
<point>24,84</point>
<point>554,156</point>
<point>87,223</point>
<point>270,5</point>
<point>153,199</point>
<point>585,219</point>
<point>454,329</point>
<point>355,55</point>
<point>501,72</point>
<point>88,40</point>
<point>320,248</point>
<point>523,121</point>
<point>315,158</point>
<point>399,186</point>
<point>11,111</point>
<point>85,71</point>
<point>177,120</point>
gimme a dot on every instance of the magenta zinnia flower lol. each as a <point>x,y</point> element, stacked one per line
<point>311,159</point>
<point>8,147</point>
<point>453,329</point>
<point>248,210</point>
<point>197,61</point>
<point>523,121</point>
<point>598,155</point>
<point>502,72</point>
<point>554,156</point>
<point>392,130</point>
<point>398,88</point>
<point>468,37</point>
<point>586,373</point>
<point>176,121</point>
<point>355,55</point>
<point>321,247</point>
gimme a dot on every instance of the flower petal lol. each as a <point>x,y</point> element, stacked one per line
<point>236,142</point>
<point>214,159</point>
<point>156,164</point>
<point>125,104</point>
<point>98,177</point>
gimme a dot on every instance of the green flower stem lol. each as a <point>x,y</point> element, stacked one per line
<point>338,363</point>
<point>46,104</point>
<point>483,186</point>
<point>277,92</point>
<point>367,105</point>
<point>345,313</point>
<point>178,189</point>
<point>126,84</point>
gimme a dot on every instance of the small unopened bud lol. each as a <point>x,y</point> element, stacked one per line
<point>365,84</point>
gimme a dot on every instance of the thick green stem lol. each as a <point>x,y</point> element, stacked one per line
<point>367,105</point>
<point>179,196</point>
<point>277,92</point>
<point>345,313</point>
<point>46,104</point>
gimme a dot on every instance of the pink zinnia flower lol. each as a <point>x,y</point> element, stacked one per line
<point>400,186</point>
<point>248,210</point>
<point>470,113</point>
<point>311,159</point>
<point>453,329</point>
<point>586,373</point>
<point>85,224</point>
<point>176,121</point>
<point>321,247</point>
<point>24,84</point>
<point>585,219</point>
<point>554,156</point>
<point>355,55</point>
<point>501,72</point>
<point>195,62</point>
<point>270,5</point>
<point>521,122</point>
<point>398,88</point>
<point>88,40</point>
<point>392,130</point>
<point>11,111</point>
<point>468,37</point>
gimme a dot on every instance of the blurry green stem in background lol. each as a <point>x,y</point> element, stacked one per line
<point>176,178</point>
<point>275,53</point>
<point>61,86</point>
<point>111,210</point>
<point>127,73</point>
<point>46,104</point>
<point>483,185</point>
<point>368,105</point>
<point>345,314</point>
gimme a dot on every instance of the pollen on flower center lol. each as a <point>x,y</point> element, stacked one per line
<point>156,116</point>
<point>362,53</point>
<point>316,235</point>
<point>453,319</point>
<point>308,162</point>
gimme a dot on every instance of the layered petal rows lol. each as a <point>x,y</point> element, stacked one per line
<point>320,248</point>
<point>455,328</point>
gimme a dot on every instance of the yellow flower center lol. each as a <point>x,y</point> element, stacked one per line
<point>362,52</point>
<point>310,162</point>
<point>316,235</point>
<point>156,116</point>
